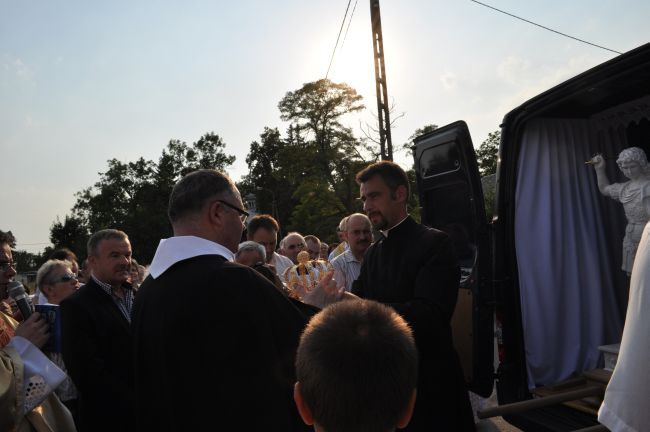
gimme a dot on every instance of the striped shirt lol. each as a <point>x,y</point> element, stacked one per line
<point>349,266</point>
<point>125,305</point>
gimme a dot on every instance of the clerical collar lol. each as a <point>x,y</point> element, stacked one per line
<point>385,233</point>
<point>175,249</point>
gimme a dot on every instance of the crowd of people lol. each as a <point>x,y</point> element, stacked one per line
<point>368,347</point>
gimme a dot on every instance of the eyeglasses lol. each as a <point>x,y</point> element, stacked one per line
<point>297,245</point>
<point>243,214</point>
<point>4,266</point>
<point>64,278</point>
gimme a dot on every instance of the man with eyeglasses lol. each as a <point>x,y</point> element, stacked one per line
<point>203,325</point>
<point>23,365</point>
<point>291,245</point>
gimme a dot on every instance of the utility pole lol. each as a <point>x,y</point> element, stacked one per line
<point>385,141</point>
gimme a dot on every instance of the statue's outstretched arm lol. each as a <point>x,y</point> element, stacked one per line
<point>599,166</point>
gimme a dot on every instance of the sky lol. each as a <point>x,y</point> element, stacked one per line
<point>84,82</point>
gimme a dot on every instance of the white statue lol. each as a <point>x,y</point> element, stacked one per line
<point>632,194</point>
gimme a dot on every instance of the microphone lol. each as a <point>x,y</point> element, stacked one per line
<point>17,292</point>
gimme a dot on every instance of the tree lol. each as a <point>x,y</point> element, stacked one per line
<point>133,196</point>
<point>410,144</point>
<point>371,132</point>
<point>71,233</point>
<point>275,168</point>
<point>309,173</point>
<point>487,154</point>
<point>315,112</point>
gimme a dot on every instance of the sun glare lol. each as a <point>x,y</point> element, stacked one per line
<point>353,62</point>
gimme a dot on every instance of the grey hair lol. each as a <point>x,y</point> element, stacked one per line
<point>250,245</point>
<point>100,236</point>
<point>633,154</point>
<point>46,269</point>
<point>284,240</point>
<point>343,225</point>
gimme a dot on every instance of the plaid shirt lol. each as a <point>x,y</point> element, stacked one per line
<point>125,305</point>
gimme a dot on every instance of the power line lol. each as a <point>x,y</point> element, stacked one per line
<point>546,28</point>
<point>337,39</point>
<point>349,22</point>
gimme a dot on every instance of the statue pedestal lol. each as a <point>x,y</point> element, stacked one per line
<point>610,354</point>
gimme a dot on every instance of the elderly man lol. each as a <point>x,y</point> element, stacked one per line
<point>22,364</point>
<point>291,245</point>
<point>250,253</point>
<point>264,229</point>
<point>313,246</point>
<point>96,336</point>
<point>202,323</point>
<point>359,236</point>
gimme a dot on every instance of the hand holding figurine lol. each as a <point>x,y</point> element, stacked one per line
<point>327,291</point>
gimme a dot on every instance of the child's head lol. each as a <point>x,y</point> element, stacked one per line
<point>356,369</point>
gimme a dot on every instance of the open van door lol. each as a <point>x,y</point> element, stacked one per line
<point>451,200</point>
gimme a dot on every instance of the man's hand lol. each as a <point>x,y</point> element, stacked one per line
<point>35,329</point>
<point>326,292</point>
<point>6,309</point>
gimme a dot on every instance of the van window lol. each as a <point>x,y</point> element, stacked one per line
<point>440,159</point>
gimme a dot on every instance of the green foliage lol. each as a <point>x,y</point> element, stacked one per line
<point>487,154</point>
<point>133,196</point>
<point>309,175</point>
<point>26,261</point>
<point>318,211</point>
<point>71,233</point>
<point>413,205</point>
<point>315,112</point>
<point>410,144</point>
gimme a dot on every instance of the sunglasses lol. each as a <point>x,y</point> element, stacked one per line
<point>64,278</point>
<point>4,266</point>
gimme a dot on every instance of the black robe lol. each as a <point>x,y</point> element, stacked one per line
<point>214,345</point>
<point>414,271</point>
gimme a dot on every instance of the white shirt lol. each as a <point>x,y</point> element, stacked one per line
<point>175,249</point>
<point>349,266</point>
<point>281,263</point>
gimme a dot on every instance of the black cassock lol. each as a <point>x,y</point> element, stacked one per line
<point>215,346</point>
<point>414,271</point>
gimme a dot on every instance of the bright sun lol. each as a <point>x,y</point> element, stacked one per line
<point>353,62</point>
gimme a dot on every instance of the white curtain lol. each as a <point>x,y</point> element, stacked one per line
<point>568,246</point>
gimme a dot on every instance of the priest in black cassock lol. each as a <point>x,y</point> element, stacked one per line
<point>413,269</point>
<point>214,341</point>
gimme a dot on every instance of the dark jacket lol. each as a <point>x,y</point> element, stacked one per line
<point>414,270</point>
<point>96,347</point>
<point>214,345</point>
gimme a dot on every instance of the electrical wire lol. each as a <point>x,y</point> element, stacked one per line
<point>349,22</point>
<point>337,39</point>
<point>546,28</point>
